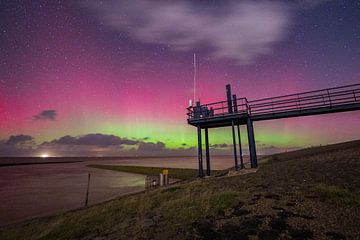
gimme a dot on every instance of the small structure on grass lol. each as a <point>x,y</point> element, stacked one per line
<point>153,181</point>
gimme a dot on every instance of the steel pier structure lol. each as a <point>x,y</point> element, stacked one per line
<point>239,111</point>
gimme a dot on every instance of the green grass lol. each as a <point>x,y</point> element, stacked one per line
<point>178,173</point>
<point>180,205</point>
<point>311,151</point>
<point>337,195</point>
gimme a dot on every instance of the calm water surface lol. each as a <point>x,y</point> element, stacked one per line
<point>29,191</point>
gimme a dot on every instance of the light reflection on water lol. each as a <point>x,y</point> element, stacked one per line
<point>29,191</point>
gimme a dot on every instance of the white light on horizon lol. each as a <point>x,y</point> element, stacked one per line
<point>44,155</point>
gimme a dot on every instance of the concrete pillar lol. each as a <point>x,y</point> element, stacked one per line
<point>166,179</point>
<point>251,140</point>
<point>240,149</point>
<point>200,157</point>
<point>207,152</point>
<point>161,179</point>
<point>234,143</point>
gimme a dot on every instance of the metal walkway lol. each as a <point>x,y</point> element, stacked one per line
<point>238,111</point>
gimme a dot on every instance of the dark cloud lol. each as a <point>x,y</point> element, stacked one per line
<point>97,144</point>
<point>148,146</point>
<point>19,139</point>
<point>95,139</point>
<point>46,115</point>
<point>7,150</point>
<point>17,145</point>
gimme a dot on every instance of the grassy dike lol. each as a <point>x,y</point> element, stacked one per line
<point>308,194</point>
<point>127,217</point>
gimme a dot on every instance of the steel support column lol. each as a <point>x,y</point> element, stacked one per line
<point>240,149</point>
<point>207,152</point>
<point>200,157</point>
<point>234,143</point>
<point>251,140</point>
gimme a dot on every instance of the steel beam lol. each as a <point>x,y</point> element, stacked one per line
<point>200,157</point>
<point>240,149</point>
<point>235,103</point>
<point>251,140</point>
<point>228,95</point>
<point>234,143</point>
<point>207,152</point>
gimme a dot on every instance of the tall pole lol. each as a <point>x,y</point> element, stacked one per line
<point>234,143</point>
<point>229,100</point>
<point>207,152</point>
<point>240,149</point>
<point>194,77</point>
<point>200,152</point>
<point>235,103</point>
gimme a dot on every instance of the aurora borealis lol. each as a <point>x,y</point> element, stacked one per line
<point>101,78</point>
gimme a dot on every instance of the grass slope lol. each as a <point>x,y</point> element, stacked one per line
<point>177,173</point>
<point>300,195</point>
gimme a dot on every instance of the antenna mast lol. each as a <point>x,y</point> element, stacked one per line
<point>194,77</point>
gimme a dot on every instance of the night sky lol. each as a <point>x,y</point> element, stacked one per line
<point>113,78</point>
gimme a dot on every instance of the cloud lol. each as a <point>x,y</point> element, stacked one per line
<point>94,139</point>
<point>148,146</point>
<point>93,144</point>
<point>17,145</point>
<point>97,144</point>
<point>46,115</point>
<point>19,139</point>
<point>236,30</point>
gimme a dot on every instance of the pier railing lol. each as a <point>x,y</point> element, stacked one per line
<point>326,98</point>
<point>216,109</point>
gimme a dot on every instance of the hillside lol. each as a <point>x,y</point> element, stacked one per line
<point>306,194</point>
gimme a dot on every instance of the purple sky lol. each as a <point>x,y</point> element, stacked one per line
<point>100,78</point>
